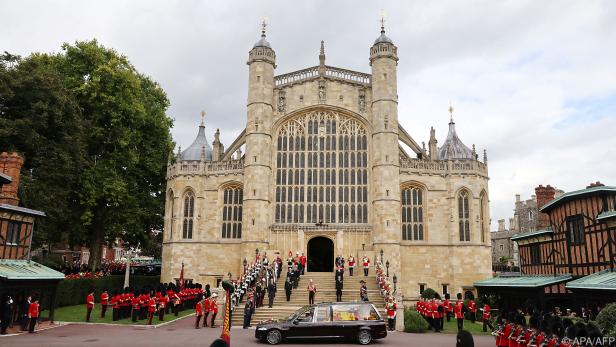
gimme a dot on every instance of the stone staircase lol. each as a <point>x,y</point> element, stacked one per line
<point>326,292</point>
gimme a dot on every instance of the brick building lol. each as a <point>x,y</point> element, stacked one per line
<point>570,258</point>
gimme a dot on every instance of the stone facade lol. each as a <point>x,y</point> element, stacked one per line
<point>322,158</point>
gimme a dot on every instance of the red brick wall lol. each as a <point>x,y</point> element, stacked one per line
<point>10,164</point>
<point>544,195</point>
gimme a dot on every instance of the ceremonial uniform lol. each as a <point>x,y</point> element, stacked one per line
<point>104,303</point>
<point>339,286</point>
<point>351,265</point>
<point>366,264</point>
<point>115,305</point>
<point>151,309</point>
<point>391,314</point>
<point>312,290</point>
<point>447,306</point>
<point>206,309</point>
<point>214,310</point>
<point>136,304</point>
<point>458,312</point>
<point>486,317</point>
<point>248,309</point>
<point>163,303</point>
<point>271,293</point>
<point>363,292</point>
<point>288,287</point>
<point>198,313</point>
<point>33,314</point>
<point>472,306</point>
<point>89,306</point>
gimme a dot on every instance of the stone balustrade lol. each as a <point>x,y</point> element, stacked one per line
<point>443,167</point>
<point>195,167</point>
<point>330,72</point>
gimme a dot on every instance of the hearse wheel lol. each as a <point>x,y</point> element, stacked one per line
<point>364,337</point>
<point>273,337</point>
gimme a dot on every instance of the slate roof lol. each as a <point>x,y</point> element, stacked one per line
<point>606,215</point>
<point>603,280</point>
<point>193,152</point>
<point>522,281</point>
<point>21,210</point>
<point>574,194</point>
<point>453,148</point>
<point>11,269</point>
<point>528,234</point>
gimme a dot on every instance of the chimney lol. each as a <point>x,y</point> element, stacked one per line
<point>596,184</point>
<point>501,225</point>
<point>512,226</point>
<point>517,198</point>
<point>544,196</point>
<point>10,164</point>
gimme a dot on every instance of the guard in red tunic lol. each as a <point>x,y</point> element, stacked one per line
<point>198,312</point>
<point>486,317</point>
<point>206,310</point>
<point>458,311</point>
<point>33,313</point>
<point>89,304</point>
<point>213,309</point>
<point>162,305</point>
<point>115,305</point>
<point>391,307</point>
<point>104,302</point>
<point>366,263</point>
<point>447,306</point>
<point>472,306</point>
<point>136,305</point>
<point>151,309</point>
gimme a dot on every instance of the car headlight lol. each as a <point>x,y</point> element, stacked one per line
<point>261,328</point>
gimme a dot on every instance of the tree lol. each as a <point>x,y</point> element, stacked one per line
<point>119,148</point>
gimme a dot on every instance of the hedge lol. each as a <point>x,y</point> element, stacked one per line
<point>606,319</point>
<point>414,322</point>
<point>74,291</point>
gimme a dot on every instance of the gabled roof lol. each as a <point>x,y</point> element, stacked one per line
<point>21,210</point>
<point>603,280</point>
<point>11,269</point>
<point>522,281</point>
<point>5,179</point>
<point>606,215</point>
<point>528,234</point>
<point>575,194</point>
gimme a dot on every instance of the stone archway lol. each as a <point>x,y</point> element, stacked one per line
<point>320,254</point>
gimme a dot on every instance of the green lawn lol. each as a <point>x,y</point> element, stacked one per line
<point>77,313</point>
<point>476,328</point>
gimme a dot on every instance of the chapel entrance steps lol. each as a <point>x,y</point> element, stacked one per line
<point>326,292</point>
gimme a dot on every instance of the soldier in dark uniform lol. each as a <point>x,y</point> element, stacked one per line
<point>288,287</point>
<point>248,309</point>
<point>271,293</point>
<point>258,294</point>
<point>339,285</point>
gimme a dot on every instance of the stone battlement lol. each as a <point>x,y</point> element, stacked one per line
<point>440,167</point>
<point>201,168</point>
<point>331,72</point>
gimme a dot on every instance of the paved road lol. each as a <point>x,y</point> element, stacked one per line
<point>182,334</point>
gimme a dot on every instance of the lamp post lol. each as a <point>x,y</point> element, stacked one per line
<point>381,255</point>
<point>395,281</point>
<point>387,266</point>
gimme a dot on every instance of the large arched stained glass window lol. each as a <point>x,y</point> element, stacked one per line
<point>232,213</point>
<point>189,212</point>
<point>464,225</point>
<point>322,170</point>
<point>412,213</point>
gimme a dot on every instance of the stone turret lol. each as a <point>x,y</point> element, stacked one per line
<point>432,144</point>
<point>217,147</point>
<point>385,166</point>
<point>257,164</point>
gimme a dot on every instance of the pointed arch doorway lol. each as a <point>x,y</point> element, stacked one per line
<point>320,254</point>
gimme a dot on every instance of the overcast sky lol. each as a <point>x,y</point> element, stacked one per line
<point>533,82</point>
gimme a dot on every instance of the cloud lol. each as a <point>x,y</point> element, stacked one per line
<point>531,81</point>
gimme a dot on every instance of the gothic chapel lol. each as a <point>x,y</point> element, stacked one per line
<point>320,168</point>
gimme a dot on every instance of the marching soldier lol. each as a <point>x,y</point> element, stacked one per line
<point>115,305</point>
<point>312,290</point>
<point>89,304</point>
<point>248,309</point>
<point>363,291</point>
<point>206,309</point>
<point>351,265</point>
<point>151,302</point>
<point>271,293</point>
<point>486,316</point>
<point>198,312</point>
<point>136,304</point>
<point>366,263</point>
<point>447,305</point>
<point>163,302</point>
<point>391,307</point>
<point>458,311</point>
<point>213,309</point>
<point>472,306</point>
<point>288,287</point>
<point>33,313</point>
<point>104,302</point>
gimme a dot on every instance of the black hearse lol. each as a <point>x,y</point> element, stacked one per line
<point>359,321</point>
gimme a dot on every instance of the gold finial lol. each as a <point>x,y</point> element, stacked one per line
<point>263,25</point>
<point>450,112</point>
<point>202,117</point>
<point>383,15</point>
